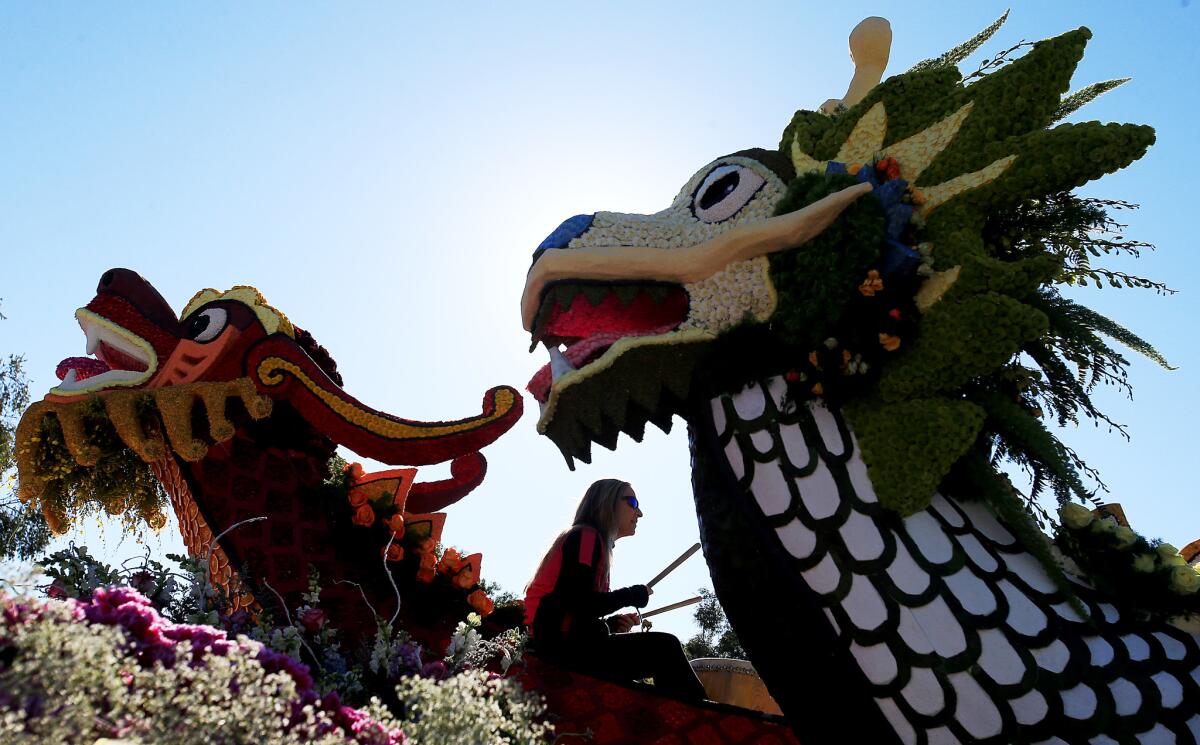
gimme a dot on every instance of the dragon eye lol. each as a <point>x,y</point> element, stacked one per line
<point>724,191</point>
<point>207,324</point>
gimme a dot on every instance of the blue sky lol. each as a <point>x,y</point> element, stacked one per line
<point>382,173</point>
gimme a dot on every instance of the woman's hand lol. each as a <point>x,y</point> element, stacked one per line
<point>622,622</point>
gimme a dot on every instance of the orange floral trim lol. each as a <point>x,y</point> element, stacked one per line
<point>379,498</point>
<point>871,285</point>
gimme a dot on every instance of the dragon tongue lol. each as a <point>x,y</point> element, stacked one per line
<point>84,367</point>
<point>577,355</point>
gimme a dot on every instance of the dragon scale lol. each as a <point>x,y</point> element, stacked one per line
<point>961,634</point>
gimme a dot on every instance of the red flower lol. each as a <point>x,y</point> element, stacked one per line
<point>57,590</point>
<point>364,516</point>
<point>894,313</point>
<point>395,552</point>
<point>358,497</point>
<point>791,376</point>
<point>312,619</point>
<point>888,167</point>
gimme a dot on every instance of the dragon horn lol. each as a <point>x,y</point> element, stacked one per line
<point>282,370</point>
<point>870,47</point>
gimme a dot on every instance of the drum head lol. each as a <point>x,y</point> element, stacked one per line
<point>734,682</point>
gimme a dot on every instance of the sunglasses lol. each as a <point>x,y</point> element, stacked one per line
<point>632,502</point>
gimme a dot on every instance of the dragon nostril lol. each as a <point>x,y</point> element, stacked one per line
<point>567,231</point>
<point>106,278</point>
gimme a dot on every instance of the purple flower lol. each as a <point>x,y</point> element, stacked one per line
<point>436,670</point>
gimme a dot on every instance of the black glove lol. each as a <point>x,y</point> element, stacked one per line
<point>639,595</point>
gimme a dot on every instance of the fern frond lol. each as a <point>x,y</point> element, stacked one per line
<point>964,50</point>
<point>1081,98</point>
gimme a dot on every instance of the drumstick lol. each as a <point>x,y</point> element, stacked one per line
<point>682,558</point>
<point>673,606</point>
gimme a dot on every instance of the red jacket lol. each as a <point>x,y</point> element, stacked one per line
<point>569,595</point>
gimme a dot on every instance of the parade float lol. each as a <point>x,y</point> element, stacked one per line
<point>856,326</point>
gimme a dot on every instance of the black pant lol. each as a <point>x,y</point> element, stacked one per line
<point>626,657</point>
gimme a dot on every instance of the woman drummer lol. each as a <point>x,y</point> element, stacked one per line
<point>568,598</point>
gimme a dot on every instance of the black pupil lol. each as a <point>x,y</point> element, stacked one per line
<point>199,324</point>
<point>719,189</point>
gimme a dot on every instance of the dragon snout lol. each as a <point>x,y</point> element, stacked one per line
<point>567,231</point>
<point>141,294</point>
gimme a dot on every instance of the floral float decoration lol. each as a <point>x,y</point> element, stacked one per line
<point>1152,574</point>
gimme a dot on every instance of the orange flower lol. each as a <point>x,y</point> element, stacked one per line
<point>854,169</point>
<point>889,342</point>
<point>465,579</point>
<point>395,553</point>
<point>818,389</point>
<point>450,561</point>
<point>364,515</point>
<point>812,359</point>
<point>395,523</point>
<point>481,602</point>
<point>358,497</point>
<point>871,285</point>
<point>428,568</point>
<point>845,356</point>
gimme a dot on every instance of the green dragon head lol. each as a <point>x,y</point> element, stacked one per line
<point>884,257</point>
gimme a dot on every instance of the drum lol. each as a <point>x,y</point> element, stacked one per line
<point>734,682</point>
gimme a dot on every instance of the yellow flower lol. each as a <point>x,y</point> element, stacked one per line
<point>1075,516</point>
<point>1185,580</point>
<point>1143,563</point>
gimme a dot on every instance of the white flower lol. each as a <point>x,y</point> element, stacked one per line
<point>1075,516</point>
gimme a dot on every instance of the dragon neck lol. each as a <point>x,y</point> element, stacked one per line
<point>951,627</point>
<point>274,468</point>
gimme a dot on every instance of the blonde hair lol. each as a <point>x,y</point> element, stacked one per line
<point>597,509</point>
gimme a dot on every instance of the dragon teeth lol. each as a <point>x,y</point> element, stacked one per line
<point>93,338</point>
<point>559,364</point>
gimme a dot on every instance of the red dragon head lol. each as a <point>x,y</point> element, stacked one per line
<point>152,377</point>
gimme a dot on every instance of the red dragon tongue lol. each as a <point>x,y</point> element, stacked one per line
<point>84,367</point>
